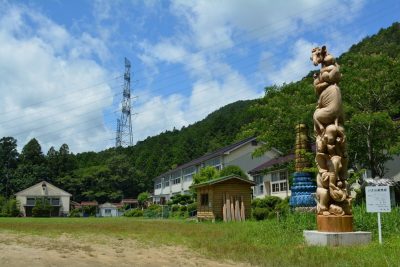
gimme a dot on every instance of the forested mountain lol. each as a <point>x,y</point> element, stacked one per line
<point>371,93</point>
<point>121,172</point>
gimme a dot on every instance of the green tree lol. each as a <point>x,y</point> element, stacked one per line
<point>142,198</point>
<point>374,138</point>
<point>233,169</point>
<point>205,174</point>
<point>31,168</point>
<point>8,163</point>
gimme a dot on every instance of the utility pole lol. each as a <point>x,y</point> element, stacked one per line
<point>124,135</point>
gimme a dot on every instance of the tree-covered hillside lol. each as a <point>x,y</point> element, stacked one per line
<point>371,93</point>
<point>370,89</point>
<point>120,172</point>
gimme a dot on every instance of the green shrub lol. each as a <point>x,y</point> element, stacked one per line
<point>156,211</point>
<point>233,169</point>
<point>174,208</point>
<point>260,213</point>
<point>134,213</point>
<point>9,208</point>
<point>42,208</point>
<point>191,208</point>
<point>183,208</point>
<point>269,202</point>
<point>75,213</point>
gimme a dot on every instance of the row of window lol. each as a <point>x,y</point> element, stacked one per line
<point>187,174</point>
<point>31,201</point>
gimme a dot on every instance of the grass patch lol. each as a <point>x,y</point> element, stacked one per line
<point>266,243</point>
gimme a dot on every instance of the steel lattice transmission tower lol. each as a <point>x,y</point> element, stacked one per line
<point>124,123</point>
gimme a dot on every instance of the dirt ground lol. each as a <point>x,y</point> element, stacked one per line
<point>30,250</point>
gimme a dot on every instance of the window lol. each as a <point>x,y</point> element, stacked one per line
<point>107,211</point>
<point>204,199</point>
<point>55,202</point>
<point>275,187</point>
<point>274,177</point>
<point>188,173</point>
<point>215,162</point>
<point>30,201</point>
<point>158,186</point>
<point>283,186</point>
<point>258,179</point>
<point>283,175</point>
<point>176,177</point>
<point>261,189</point>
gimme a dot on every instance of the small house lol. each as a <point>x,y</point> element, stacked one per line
<point>227,198</point>
<point>108,210</point>
<point>58,199</point>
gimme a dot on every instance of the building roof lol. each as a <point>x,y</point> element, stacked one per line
<point>107,205</point>
<point>223,179</point>
<point>89,203</point>
<point>271,163</point>
<point>43,189</point>
<point>216,153</point>
<point>129,201</point>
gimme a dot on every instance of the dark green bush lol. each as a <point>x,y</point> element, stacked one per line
<point>191,208</point>
<point>9,208</point>
<point>260,213</point>
<point>174,208</point>
<point>42,208</point>
<point>183,208</point>
<point>134,213</point>
<point>75,213</point>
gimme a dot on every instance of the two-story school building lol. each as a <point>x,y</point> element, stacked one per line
<point>178,180</point>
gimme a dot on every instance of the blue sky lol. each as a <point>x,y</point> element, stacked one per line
<point>61,61</point>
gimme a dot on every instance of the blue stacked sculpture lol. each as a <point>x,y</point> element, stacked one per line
<point>304,185</point>
<point>302,189</point>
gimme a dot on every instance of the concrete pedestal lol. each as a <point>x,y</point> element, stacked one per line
<point>335,239</point>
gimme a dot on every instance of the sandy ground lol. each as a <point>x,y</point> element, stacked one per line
<point>29,250</point>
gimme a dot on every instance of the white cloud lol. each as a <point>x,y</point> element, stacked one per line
<point>42,66</point>
<point>295,67</point>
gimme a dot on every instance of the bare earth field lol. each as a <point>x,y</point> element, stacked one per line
<point>64,250</point>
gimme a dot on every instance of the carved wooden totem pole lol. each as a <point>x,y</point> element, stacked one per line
<point>334,202</point>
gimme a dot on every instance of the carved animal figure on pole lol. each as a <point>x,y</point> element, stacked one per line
<point>331,155</point>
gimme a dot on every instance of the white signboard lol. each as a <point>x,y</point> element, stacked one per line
<point>378,198</point>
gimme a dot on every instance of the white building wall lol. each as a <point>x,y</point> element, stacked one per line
<point>393,168</point>
<point>22,202</point>
<point>243,157</point>
<point>114,212</point>
<point>64,202</point>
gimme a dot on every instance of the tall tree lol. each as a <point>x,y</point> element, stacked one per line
<point>8,163</point>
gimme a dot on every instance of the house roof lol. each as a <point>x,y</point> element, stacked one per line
<point>216,153</point>
<point>223,179</point>
<point>129,201</point>
<point>271,163</point>
<point>107,205</point>
<point>37,190</point>
<point>89,203</point>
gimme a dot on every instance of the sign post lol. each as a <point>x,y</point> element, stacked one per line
<point>378,200</point>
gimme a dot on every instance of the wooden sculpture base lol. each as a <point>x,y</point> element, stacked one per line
<point>332,223</point>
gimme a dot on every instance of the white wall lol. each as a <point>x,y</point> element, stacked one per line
<point>114,212</point>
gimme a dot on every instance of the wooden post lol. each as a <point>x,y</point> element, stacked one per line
<point>224,207</point>
<point>237,210</point>
<point>232,210</point>
<point>228,208</point>
<point>243,214</point>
